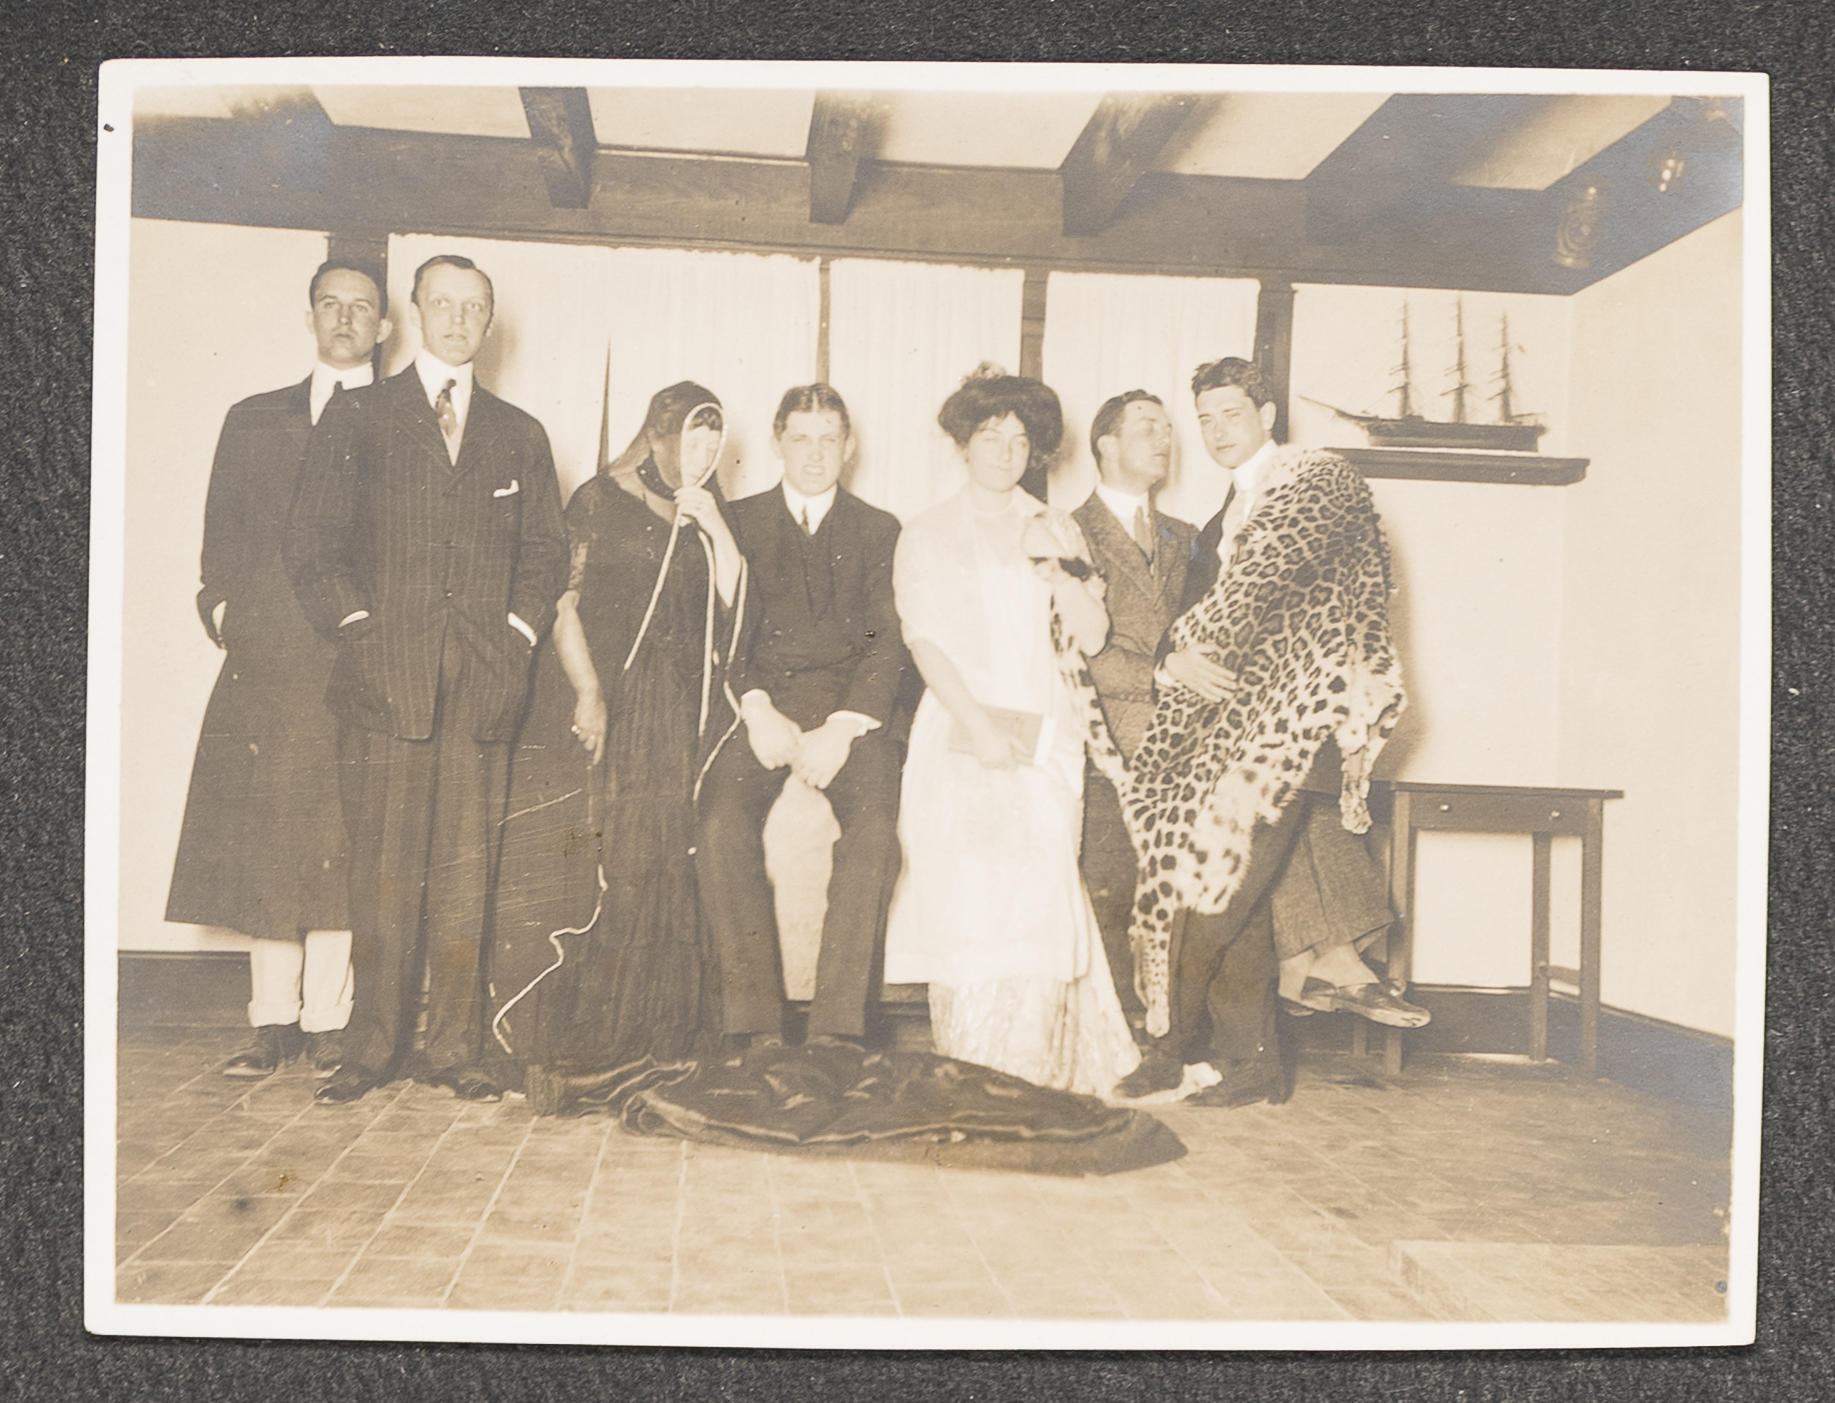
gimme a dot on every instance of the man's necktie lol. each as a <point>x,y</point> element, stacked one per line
<point>1234,511</point>
<point>809,527</point>
<point>1143,533</point>
<point>449,419</point>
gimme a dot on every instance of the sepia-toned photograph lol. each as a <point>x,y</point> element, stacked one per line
<point>927,706</point>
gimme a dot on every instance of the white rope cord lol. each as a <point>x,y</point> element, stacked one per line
<point>560,958</point>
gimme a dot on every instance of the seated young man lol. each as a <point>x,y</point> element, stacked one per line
<point>816,670</point>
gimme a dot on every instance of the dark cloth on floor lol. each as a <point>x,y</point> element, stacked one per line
<point>583,978</point>
<point>261,849</point>
<point>842,1100</point>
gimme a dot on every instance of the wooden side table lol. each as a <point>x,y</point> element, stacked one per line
<point>1542,814</point>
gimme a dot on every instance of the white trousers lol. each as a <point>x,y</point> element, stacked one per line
<point>307,981</point>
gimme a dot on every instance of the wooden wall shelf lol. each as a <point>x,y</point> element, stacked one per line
<point>1454,465</point>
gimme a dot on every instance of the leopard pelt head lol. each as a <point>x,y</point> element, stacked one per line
<point>1300,616</point>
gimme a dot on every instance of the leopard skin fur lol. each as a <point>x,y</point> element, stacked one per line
<point>1300,615</point>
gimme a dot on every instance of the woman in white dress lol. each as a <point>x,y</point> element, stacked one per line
<point>990,909</point>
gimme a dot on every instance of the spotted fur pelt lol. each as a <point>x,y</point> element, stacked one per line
<point>1300,615</point>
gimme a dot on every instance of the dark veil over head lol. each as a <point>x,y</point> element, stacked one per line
<point>664,423</point>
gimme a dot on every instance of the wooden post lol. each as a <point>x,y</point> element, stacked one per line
<point>1274,346</point>
<point>825,304</point>
<point>1032,323</point>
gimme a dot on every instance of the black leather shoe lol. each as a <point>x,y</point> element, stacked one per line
<point>346,1084</point>
<point>273,1046</point>
<point>467,1083</point>
<point>1244,1083</point>
<point>325,1051</point>
<point>1158,1071</point>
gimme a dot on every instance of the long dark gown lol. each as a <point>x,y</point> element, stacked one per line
<point>588,978</point>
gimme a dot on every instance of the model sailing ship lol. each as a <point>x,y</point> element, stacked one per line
<point>1409,428</point>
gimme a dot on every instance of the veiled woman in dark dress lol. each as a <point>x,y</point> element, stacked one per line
<point>599,971</point>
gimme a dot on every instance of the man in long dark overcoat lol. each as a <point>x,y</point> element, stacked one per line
<point>262,848</point>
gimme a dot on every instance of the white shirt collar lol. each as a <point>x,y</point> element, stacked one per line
<point>1124,505</point>
<point>1250,474</point>
<point>326,378</point>
<point>434,374</point>
<point>817,506</point>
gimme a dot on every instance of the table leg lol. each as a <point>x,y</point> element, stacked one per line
<point>1401,897</point>
<point>1592,870</point>
<point>1538,949</point>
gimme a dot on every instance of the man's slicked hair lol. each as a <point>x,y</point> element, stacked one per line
<point>818,398</point>
<point>350,265</point>
<point>451,260</point>
<point>1232,370</point>
<point>1108,418</point>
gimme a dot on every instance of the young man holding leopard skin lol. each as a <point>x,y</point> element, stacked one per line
<point>1279,674</point>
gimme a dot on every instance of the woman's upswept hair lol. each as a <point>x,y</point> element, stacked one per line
<point>989,393</point>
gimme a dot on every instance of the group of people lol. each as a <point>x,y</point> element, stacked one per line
<point>475,752</point>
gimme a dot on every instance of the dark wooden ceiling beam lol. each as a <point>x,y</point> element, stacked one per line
<point>561,127</point>
<point>1117,146</point>
<point>210,170</point>
<point>1396,167</point>
<point>1678,171</point>
<point>843,136</point>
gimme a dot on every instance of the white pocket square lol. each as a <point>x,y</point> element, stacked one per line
<point>514,487</point>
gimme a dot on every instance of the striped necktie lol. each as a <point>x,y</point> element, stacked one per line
<point>1143,532</point>
<point>449,419</point>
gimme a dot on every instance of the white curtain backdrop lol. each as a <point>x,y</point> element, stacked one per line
<point>744,325</point>
<point>901,336</point>
<point>1106,333</point>
<point>546,350</point>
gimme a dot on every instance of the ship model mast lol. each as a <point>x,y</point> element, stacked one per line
<point>1409,428</point>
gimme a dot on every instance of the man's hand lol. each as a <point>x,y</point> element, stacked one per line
<point>823,752</point>
<point>1198,671</point>
<point>774,737</point>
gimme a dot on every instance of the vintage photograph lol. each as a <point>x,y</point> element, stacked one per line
<point>854,705</point>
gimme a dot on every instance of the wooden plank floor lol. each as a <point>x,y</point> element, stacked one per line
<point>1461,1190</point>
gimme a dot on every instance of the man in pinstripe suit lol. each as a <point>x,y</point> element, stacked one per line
<point>427,541</point>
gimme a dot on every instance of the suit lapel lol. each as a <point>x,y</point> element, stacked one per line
<point>411,404</point>
<point>482,423</point>
<point>1115,548</point>
<point>1169,568</point>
